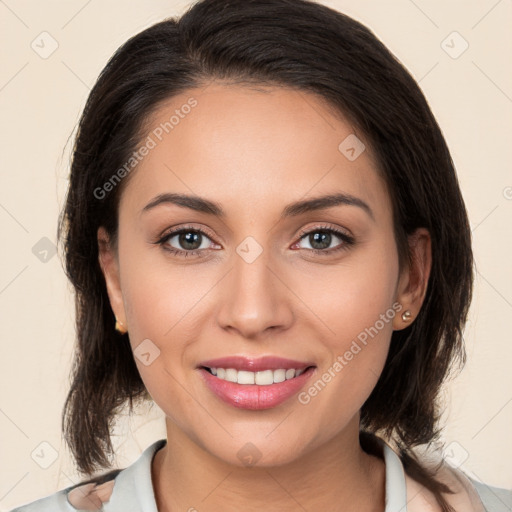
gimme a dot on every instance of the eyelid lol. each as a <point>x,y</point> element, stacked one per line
<point>190,227</point>
<point>327,227</point>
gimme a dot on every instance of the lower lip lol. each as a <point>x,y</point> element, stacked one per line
<point>253,396</point>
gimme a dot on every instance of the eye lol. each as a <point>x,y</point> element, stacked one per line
<point>186,241</point>
<point>189,241</point>
<point>320,238</point>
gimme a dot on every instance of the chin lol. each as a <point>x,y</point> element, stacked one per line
<point>257,451</point>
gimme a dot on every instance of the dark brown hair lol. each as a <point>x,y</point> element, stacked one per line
<point>309,47</point>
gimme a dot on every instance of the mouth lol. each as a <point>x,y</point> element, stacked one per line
<point>255,383</point>
<point>260,378</point>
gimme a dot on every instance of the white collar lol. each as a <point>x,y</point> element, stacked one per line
<point>134,485</point>
<point>133,488</point>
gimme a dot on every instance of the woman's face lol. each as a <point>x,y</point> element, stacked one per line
<point>247,283</point>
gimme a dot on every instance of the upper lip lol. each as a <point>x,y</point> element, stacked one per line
<point>259,364</point>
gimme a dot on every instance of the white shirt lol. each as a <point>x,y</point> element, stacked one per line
<point>132,491</point>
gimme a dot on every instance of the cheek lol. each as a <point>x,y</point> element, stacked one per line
<point>159,310</point>
<point>355,301</point>
<point>357,354</point>
<point>158,293</point>
<point>165,307</point>
<point>349,297</point>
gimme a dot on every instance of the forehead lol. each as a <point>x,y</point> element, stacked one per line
<point>260,146</point>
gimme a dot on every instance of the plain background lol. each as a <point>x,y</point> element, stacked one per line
<point>41,100</point>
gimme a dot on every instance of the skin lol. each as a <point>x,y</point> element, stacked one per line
<point>254,152</point>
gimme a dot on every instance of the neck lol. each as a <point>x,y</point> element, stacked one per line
<point>186,477</point>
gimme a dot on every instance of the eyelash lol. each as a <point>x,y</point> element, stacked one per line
<point>348,241</point>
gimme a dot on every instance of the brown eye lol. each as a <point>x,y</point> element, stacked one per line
<point>186,242</point>
<point>320,240</point>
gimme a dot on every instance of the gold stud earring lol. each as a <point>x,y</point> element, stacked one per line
<point>120,327</point>
<point>406,316</point>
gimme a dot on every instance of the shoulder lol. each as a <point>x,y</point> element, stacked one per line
<point>495,499</point>
<point>468,496</point>
<point>55,502</point>
<point>89,496</point>
<point>119,488</point>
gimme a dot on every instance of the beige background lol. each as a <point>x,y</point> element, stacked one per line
<point>40,101</point>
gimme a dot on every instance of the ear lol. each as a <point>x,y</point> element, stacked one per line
<point>109,264</point>
<point>413,282</point>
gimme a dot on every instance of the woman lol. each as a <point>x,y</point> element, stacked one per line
<point>266,236</point>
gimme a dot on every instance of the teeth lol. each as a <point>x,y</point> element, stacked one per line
<point>279,375</point>
<point>231,375</point>
<point>263,378</point>
<point>244,377</point>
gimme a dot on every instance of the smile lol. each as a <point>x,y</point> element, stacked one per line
<point>255,384</point>
<point>262,378</point>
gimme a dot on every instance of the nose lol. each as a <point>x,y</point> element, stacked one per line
<point>255,299</point>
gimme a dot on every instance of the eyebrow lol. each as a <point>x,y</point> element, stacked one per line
<point>297,208</point>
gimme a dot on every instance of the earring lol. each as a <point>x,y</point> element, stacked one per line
<point>406,316</point>
<point>120,327</point>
